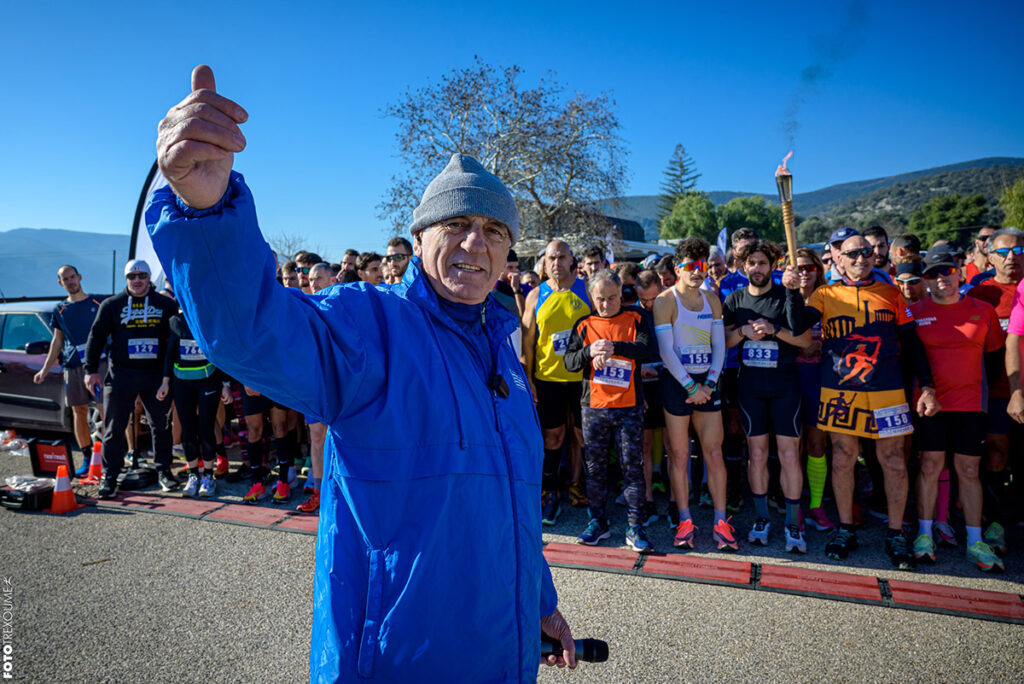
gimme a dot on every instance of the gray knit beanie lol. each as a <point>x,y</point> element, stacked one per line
<point>465,188</point>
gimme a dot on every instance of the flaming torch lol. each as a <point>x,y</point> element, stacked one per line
<point>784,181</point>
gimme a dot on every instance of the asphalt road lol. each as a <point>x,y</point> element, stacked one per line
<point>105,595</point>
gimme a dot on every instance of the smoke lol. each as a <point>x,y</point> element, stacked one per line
<point>829,52</point>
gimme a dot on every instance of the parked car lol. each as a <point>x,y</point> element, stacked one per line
<point>25,336</point>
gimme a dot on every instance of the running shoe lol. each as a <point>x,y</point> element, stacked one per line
<point>684,534</point>
<point>840,543</point>
<point>222,466</point>
<point>178,452</point>
<point>897,548</point>
<point>191,487</point>
<point>595,531</point>
<point>981,553</point>
<point>282,492</point>
<point>995,536</point>
<point>759,532</point>
<point>672,515</point>
<point>307,465</point>
<point>577,495</point>
<point>705,498</point>
<point>725,536</point>
<point>650,514</point>
<point>549,508</point>
<point>944,533</point>
<point>257,492</point>
<point>244,472</point>
<point>310,505</point>
<point>819,518</point>
<point>108,488</point>
<point>636,537</point>
<point>924,548</point>
<point>83,469</point>
<point>734,502</point>
<point>208,486</point>
<point>795,539</point>
<point>167,481</point>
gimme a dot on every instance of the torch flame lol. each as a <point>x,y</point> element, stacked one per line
<point>782,170</point>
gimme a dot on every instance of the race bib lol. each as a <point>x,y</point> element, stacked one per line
<point>616,373</point>
<point>81,353</point>
<point>696,359</point>
<point>189,351</point>
<point>893,421</point>
<point>560,341</point>
<point>143,348</point>
<point>763,354</point>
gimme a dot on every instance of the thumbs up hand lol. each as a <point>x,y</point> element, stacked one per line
<point>197,141</point>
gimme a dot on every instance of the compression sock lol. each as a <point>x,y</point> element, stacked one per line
<point>549,478</point>
<point>719,516</point>
<point>924,527</point>
<point>817,471</point>
<point>255,455</point>
<point>684,514</point>
<point>760,505</point>
<point>792,512</point>
<point>316,483</point>
<point>942,502</point>
<point>973,535</point>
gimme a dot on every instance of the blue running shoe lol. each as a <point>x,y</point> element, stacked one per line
<point>549,508</point>
<point>637,539</point>
<point>597,529</point>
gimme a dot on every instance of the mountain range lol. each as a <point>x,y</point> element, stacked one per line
<point>31,256</point>
<point>902,193</point>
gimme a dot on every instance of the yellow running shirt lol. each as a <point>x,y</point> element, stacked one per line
<point>556,314</point>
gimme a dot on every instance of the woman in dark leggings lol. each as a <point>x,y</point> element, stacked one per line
<point>198,389</point>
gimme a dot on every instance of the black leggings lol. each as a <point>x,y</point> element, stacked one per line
<point>120,388</point>
<point>196,401</point>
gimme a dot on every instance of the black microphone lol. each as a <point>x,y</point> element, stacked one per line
<point>587,650</point>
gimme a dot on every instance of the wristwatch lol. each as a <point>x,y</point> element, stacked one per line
<point>711,384</point>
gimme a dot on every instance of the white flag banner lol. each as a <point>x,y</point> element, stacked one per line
<point>141,246</point>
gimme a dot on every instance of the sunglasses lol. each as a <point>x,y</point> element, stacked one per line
<point>396,257</point>
<point>807,268</point>
<point>909,281</point>
<point>939,271</point>
<point>137,276</point>
<point>1006,251</point>
<point>865,252</point>
<point>693,266</point>
<point>302,269</point>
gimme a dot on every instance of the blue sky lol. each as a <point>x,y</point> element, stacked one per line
<point>915,84</point>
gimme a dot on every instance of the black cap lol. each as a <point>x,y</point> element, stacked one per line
<point>939,255</point>
<point>512,256</point>
<point>911,268</point>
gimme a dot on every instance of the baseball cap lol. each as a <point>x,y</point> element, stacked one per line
<point>842,234</point>
<point>939,255</point>
<point>909,268</point>
<point>137,266</point>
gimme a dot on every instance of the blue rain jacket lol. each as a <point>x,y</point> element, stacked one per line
<point>428,555</point>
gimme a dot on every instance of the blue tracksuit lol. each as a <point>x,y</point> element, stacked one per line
<point>428,555</point>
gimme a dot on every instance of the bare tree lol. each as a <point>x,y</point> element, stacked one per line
<point>557,153</point>
<point>285,245</point>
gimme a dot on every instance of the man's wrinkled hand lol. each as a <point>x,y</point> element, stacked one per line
<point>555,626</point>
<point>197,141</point>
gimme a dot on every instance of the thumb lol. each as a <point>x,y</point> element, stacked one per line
<point>202,78</point>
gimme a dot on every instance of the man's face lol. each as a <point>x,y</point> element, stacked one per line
<point>592,264</point>
<point>739,246</point>
<point>758,269</point>
<point>607,299</point>
<point>302,268</point>
<point>835,250</point>
<point>558,261</point>
<point>856,258</point>
<point>944,282</point>
<point>912,287</point>
<point>397,260</point>
<point>138,283</point>
<point>1009,266</point>
<point>348,263</point>
<point>647,295</point>
<point>881,246</point>
<point>372,273</point>
<point>290,279</point>
<point>668,279</point>
<point>981,242</point>
<point>70,280</point>
<point>529,278</point>
<point>717,267</point>
<point>463,257</point>
<point>319,278</point>
<point>692,272</point>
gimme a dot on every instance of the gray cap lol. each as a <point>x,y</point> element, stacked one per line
<point>939,255</point>
<point>137,266</point>
<point>465,188</point>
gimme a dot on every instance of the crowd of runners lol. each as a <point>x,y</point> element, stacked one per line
<point>873,373</point>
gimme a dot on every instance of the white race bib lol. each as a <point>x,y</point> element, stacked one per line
<point>893,421</point>
<point>763,354</point>
<point>696,359</point>
<point>143,348</point>
<point>560,341</point>
<point>190,351</point>
<point>616,373</point>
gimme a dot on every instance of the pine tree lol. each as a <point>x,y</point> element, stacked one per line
<point>680,176</point>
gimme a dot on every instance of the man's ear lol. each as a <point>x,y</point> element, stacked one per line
<point>417,244</point>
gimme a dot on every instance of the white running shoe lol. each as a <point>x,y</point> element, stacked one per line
<point>191,487</point>
<point>795,539</point>
<point>759,532</point>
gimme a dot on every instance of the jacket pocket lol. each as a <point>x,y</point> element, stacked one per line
<point>371,624</point>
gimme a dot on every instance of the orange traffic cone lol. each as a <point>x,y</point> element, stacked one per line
<point>63,498</point>
<point>95,465</point>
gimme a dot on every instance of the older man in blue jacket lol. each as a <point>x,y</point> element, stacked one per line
<point>428,556</point>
